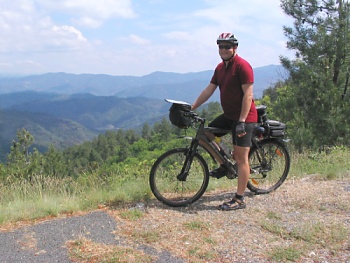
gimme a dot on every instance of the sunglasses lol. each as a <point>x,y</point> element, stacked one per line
<point>227,47</point>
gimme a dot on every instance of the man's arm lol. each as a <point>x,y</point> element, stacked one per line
<point>247,100</point>
<point>204,96</point>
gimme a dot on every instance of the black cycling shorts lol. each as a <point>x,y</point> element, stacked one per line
<point>223,123</point>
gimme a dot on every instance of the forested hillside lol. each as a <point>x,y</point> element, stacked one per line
<point>67,120</point>
<point>47,129</point>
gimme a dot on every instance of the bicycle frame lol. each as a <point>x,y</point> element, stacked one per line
<point>205,138</point>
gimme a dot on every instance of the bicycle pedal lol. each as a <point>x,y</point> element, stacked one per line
<point>231,176</point>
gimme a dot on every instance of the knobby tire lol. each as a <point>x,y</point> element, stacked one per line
<point>164,182</point>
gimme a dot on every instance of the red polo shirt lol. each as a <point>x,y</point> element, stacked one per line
<point>230,81</point>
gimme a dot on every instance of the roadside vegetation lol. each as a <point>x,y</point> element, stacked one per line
<point>29,191</point>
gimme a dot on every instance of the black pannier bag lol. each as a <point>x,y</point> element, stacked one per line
<point>272,128</point>
<point>276,128</point>
<point>177,115</point>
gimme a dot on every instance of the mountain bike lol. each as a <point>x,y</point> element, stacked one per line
<point>180,176</point>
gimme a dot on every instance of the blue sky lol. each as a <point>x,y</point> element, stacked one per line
<point>135,37</point>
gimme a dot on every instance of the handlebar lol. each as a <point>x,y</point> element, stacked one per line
<point>194,116</point>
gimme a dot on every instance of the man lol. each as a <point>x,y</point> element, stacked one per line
<point>234,77</point>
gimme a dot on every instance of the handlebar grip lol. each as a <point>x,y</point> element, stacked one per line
<point>194,116</point>
<point>188,113</point>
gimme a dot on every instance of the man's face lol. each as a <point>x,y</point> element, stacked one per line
<point>226,50</point>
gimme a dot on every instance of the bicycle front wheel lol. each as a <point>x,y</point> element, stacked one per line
<point>269,166</point>
<point>164,182</point>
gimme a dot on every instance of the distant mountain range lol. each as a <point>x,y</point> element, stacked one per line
<point>66,109</point>
<point>155,85</point>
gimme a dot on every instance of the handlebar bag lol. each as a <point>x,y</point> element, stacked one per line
<point>178,116</point>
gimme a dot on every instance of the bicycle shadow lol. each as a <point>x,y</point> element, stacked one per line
<point>206,203</point>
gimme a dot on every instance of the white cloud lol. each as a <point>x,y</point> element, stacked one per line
<point>30,38</point>
<point>178,35</point>
<point>107,36</point>
<point>236,17</point>
<point>24,29</point>
<point>135,39</point>
<point>87,22</point>
<point>90,12</point>
<point>68,34</point>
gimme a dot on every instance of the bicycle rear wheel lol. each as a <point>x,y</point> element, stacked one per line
<point>168,189</point>
<point>269,166</point>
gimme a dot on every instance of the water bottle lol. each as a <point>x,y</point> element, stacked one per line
<point>223,146</point>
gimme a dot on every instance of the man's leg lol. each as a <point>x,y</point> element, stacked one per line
<point>242,159</point>
<point>241,150</point>
<point>241,155</point>
<point>226,124</point>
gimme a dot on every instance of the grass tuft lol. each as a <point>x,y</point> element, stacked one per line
<point>84,250</point>
<point>321,233</point>
<point>196,225</point>
<point>283,254</point>
<point>133,214</point>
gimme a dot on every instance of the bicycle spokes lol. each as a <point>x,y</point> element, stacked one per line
<point>269,166</point>
<point>172,188</point>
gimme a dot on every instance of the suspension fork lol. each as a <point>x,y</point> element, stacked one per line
<point>192,150</point>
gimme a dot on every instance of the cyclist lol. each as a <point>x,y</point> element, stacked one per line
<point>234,77</point>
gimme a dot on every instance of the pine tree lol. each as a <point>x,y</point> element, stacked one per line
<point>318,74</point>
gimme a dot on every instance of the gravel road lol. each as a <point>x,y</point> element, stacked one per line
<point>45,242</point>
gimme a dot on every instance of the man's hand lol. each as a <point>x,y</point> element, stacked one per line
<point>240,129</point>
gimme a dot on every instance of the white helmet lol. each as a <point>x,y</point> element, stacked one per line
<point>227,37</point>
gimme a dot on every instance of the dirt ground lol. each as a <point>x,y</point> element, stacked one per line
<point>306,220</point>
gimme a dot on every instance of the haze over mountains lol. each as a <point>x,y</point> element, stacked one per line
<point>66,109</point>
<point>154,85</point>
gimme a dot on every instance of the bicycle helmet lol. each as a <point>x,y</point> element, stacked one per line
<point>227,37</point>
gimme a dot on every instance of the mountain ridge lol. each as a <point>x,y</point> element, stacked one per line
<point>108,85</point>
